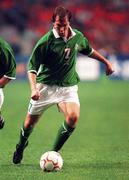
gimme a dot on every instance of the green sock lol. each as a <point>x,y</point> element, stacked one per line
<point>24,134</point>
<point>63,134</point>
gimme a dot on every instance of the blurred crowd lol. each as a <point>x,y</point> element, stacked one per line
<point>104,22</point>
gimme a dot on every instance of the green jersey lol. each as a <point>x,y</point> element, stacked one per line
<point>54,58</point>
<point>7,60</point>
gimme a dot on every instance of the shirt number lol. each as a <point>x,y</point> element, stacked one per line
<point>67,53</point>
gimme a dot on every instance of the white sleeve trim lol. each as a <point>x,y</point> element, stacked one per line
<point>91,52</point>
<point>9,77</point>
<point>32,71</point>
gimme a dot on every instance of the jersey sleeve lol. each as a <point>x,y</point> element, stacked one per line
<point>37,57</point>
<point>85,47</point>
<point>9,65</point>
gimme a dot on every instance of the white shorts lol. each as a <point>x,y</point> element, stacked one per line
<point>1,97</point>
<point>50,95</point>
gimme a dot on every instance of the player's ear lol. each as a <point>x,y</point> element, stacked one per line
<point>54,25</point>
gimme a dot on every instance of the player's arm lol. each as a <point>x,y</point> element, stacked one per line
<point>35,61</point>
<point>86,49</point>
<point>35,94</point>
<point>33,68</point>
<point>96,55</point>
<point>9,65</point>
<point>4,81</point>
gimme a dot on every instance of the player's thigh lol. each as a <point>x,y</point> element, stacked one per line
<point>70,109</point>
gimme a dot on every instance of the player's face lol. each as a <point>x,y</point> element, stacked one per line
<point>62,26</point>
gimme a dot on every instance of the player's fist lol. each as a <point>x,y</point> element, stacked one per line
<point>35,94</point>
<point>109,69</point>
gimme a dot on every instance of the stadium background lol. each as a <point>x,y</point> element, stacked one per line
<point>104,22</point>
<point>99,148</point>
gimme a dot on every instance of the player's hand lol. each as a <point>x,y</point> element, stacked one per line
<point>35,94</point>
<point>109,69</point>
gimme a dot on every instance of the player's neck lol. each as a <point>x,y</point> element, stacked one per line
<point>68,34</point>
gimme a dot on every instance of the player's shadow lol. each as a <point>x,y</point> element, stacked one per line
<point>78,165</point>
<point>99,165</point>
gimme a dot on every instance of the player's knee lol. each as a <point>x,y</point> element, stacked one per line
<point>72,119</point>
<point>30,121</point>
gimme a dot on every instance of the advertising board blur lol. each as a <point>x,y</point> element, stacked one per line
<point>87,68</point>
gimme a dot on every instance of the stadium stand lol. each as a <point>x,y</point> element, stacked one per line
<point>105,23</point>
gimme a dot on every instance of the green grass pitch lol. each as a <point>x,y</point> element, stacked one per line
<point>97,150</point>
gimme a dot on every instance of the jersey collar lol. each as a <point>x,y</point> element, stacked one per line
<point>57,35</point>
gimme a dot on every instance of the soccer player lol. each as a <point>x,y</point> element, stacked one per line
<point>53,78</point>
<point>7,71</point>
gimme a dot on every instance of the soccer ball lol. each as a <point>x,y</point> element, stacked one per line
<point>51,161</point>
